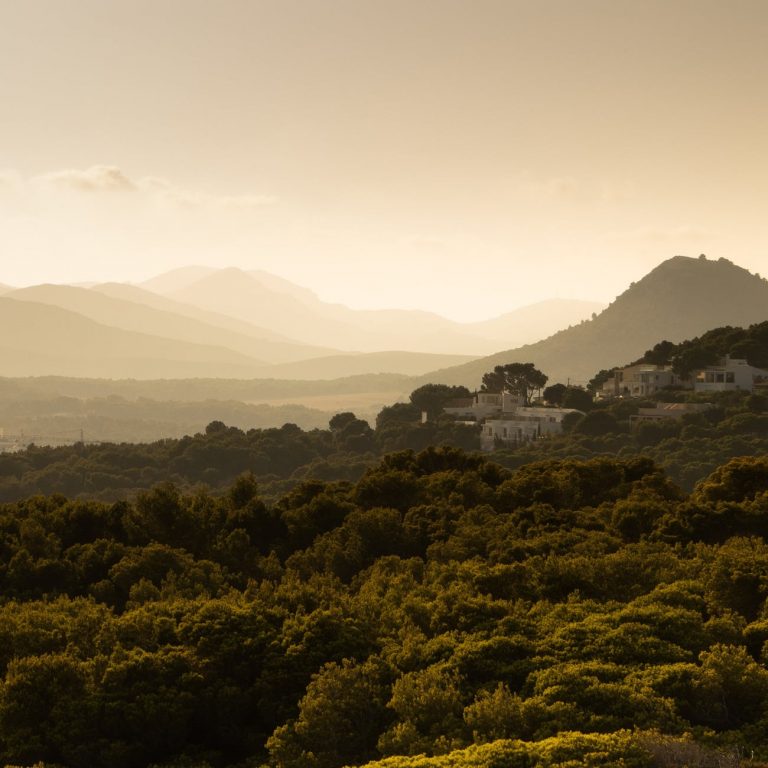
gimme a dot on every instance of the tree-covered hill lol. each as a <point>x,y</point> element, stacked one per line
<point>279,456</point>
<point>680,299</point>
<point>568,613</point>
<point>688,448</point>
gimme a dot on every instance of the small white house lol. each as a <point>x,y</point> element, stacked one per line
<point>729,374</point>
<point>523,425</point>
<point>640,380</point>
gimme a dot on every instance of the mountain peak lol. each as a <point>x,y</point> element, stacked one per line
<point>679,299</point>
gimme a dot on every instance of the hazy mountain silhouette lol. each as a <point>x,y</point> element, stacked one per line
<point>681,298</point>
<point>183,277</point>
<point>172,321</point>
<point>69,331</point>
<point>5,288</point>
<point>157,301</point>
<point>176,279</point>
<point>535,321</point>
<point>272,302</point>
<point>39,339</point>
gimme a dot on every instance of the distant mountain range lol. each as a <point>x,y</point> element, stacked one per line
<point>136,343</point>
<point>680,299</point>
<point>134,309</point>
<point>203,322</point>
<point>269,302</point>
<point>40,339</point>
<point>229,323</point>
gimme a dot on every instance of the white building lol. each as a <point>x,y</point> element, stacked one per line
<point>641,380</point>
<point>523,424</point>
<point>729,374</point>
<point>506,419</point>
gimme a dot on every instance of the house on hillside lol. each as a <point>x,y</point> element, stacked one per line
<point>731,373</point>
<point>505,418</point>
<point>523,424</point>
<point>640,380</point>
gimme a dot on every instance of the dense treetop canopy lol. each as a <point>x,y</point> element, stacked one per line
<point>282,598</point>
<point>440,605</point>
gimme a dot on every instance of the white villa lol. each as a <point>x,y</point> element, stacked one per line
<point>505,419</point>
<point>641,380</point>
<point>730,373</point>
<point>645,380</point>
<point>522,425</point>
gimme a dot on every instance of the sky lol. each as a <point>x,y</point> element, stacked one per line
<point>461,156</point>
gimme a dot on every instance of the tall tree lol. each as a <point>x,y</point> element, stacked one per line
<point>519,378</point>
<point>433,397</point>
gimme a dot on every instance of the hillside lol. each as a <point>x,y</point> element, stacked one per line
<point>139,295</point>
<point>535,321</point>
<point>272,357</point>
<point>175,279</point>
<point>40,339</point>
<point>681,298</point>
<point>306,318</point>
<point>133,312</point>
<point>269,301</point>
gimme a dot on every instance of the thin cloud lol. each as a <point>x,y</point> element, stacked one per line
<point>110,178</point>
<point>97,178</point>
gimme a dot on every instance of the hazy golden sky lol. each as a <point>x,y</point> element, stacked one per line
<point>465,156</point>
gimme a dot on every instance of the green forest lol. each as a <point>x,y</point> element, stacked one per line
<point>440,611</point>
<point>688,449</point>
<point>384,595</point>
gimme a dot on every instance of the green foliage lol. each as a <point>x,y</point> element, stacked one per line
<point>567,749</point>
<point>522,379</point>
<point>340,718</point>
<point>441,610</point>
<point>568,397</point>
<point>433,397</point>
<point>428,706</point>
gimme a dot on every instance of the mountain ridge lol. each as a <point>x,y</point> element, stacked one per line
<point>44,333</point>
<point>39,339</point>
<point>302,316</point>
<point>129,315</point>
<point>680,298</point>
